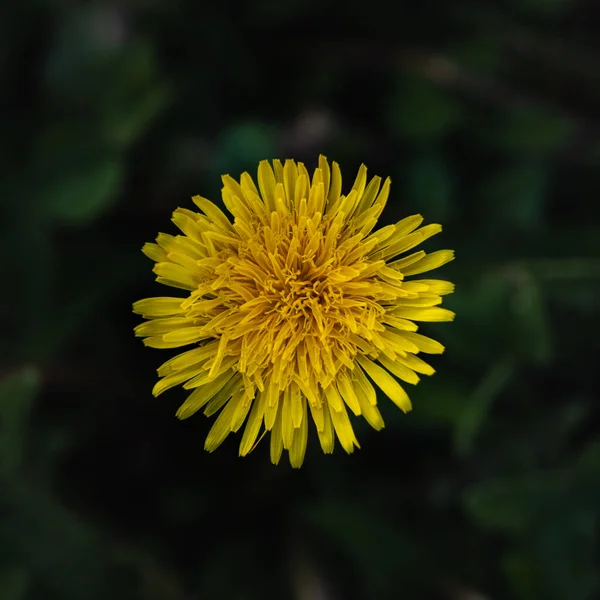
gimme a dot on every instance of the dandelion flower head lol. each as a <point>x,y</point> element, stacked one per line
<point>294,308</point>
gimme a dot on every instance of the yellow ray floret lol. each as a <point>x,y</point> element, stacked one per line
<point>295,307</point>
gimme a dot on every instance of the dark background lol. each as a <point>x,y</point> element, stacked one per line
<point>486,115</point>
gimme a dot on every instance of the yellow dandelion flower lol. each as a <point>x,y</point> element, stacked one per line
<point>295,309</point>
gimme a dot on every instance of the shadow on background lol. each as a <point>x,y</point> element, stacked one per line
<point>485,115</point>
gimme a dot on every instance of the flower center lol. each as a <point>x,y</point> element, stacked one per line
<point>294,315</point>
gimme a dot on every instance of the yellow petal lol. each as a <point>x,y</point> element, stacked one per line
<point>390,387</point>
<point>241,412</point>
<point>298,447</point>
<point>333,398</point>
<point>219,355</point>
<point>363,388</point>
<point>335,188</point>
<point>401,230</point>
<point>324,166</point>
<point>166,383</point>
<point>231,388</point>
<point>276,447</point>
<point>186,336</point>
<point>254,422</point>
<point>371,413</point>
<point>247,184</point>
<point>222,426</point>
<point>401,324</point>
<point>368,196</point>
<point>423,343</point>
<point>348,394</point>
<point>158,307</point>
<point>187,222</point>
<point>287,422</point>
<point>399,342</point>
<point>416,364</point>
<point>298,405</point>
<point>202,395</point>
<point>359,185</point>
<point>402,263</point>
<point>160,343</point>
<point>177,275</point>
<point>437,286</point>
<point>433,314</point>
<point>188,358</point>
<point>290,177</point>
<point>320,414</point>
<point>343,428</point>
<point>278,169</point>
<point>235,205</point>
<point>266,184</point>
<point>154,252</point>
<point>163,325</point>
<point>425,300</point>
<point>271,409</point>
<point>430,262</point>
<point>408,242</point>
<point>399,370</point>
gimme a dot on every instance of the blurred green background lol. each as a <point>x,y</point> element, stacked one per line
<point>486,115</point>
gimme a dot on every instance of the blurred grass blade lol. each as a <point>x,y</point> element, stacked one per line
<point>17,393</point>
<point>472,420</point>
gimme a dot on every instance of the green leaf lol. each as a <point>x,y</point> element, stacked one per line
<point>82,195</point>
<point>478,407</point>
<point>126,123</point>
<point>557,562</point>
<point>483,309</point>
<point>62,554</point>
<point>362,535</point>
<point>14,582</point>
<point>17,393</point>
<point>516,505</point>
<point>532,337</point>
<point>586,474</point>
<point>566,556</point>
<point>554,431</point>
<point>521,575</point>
<point>422,112</point>
<point>134,94</point>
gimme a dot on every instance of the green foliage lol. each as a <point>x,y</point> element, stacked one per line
<point>115,115</point>
<point>553,528</point>
<point>85,193</point>
<point>479,404</point>
<point>532,131</point>
<point>357,532</point>
<point>13,583</point>
<point>421,111</point>
<point>517,195</point>
<point>17,392</point>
